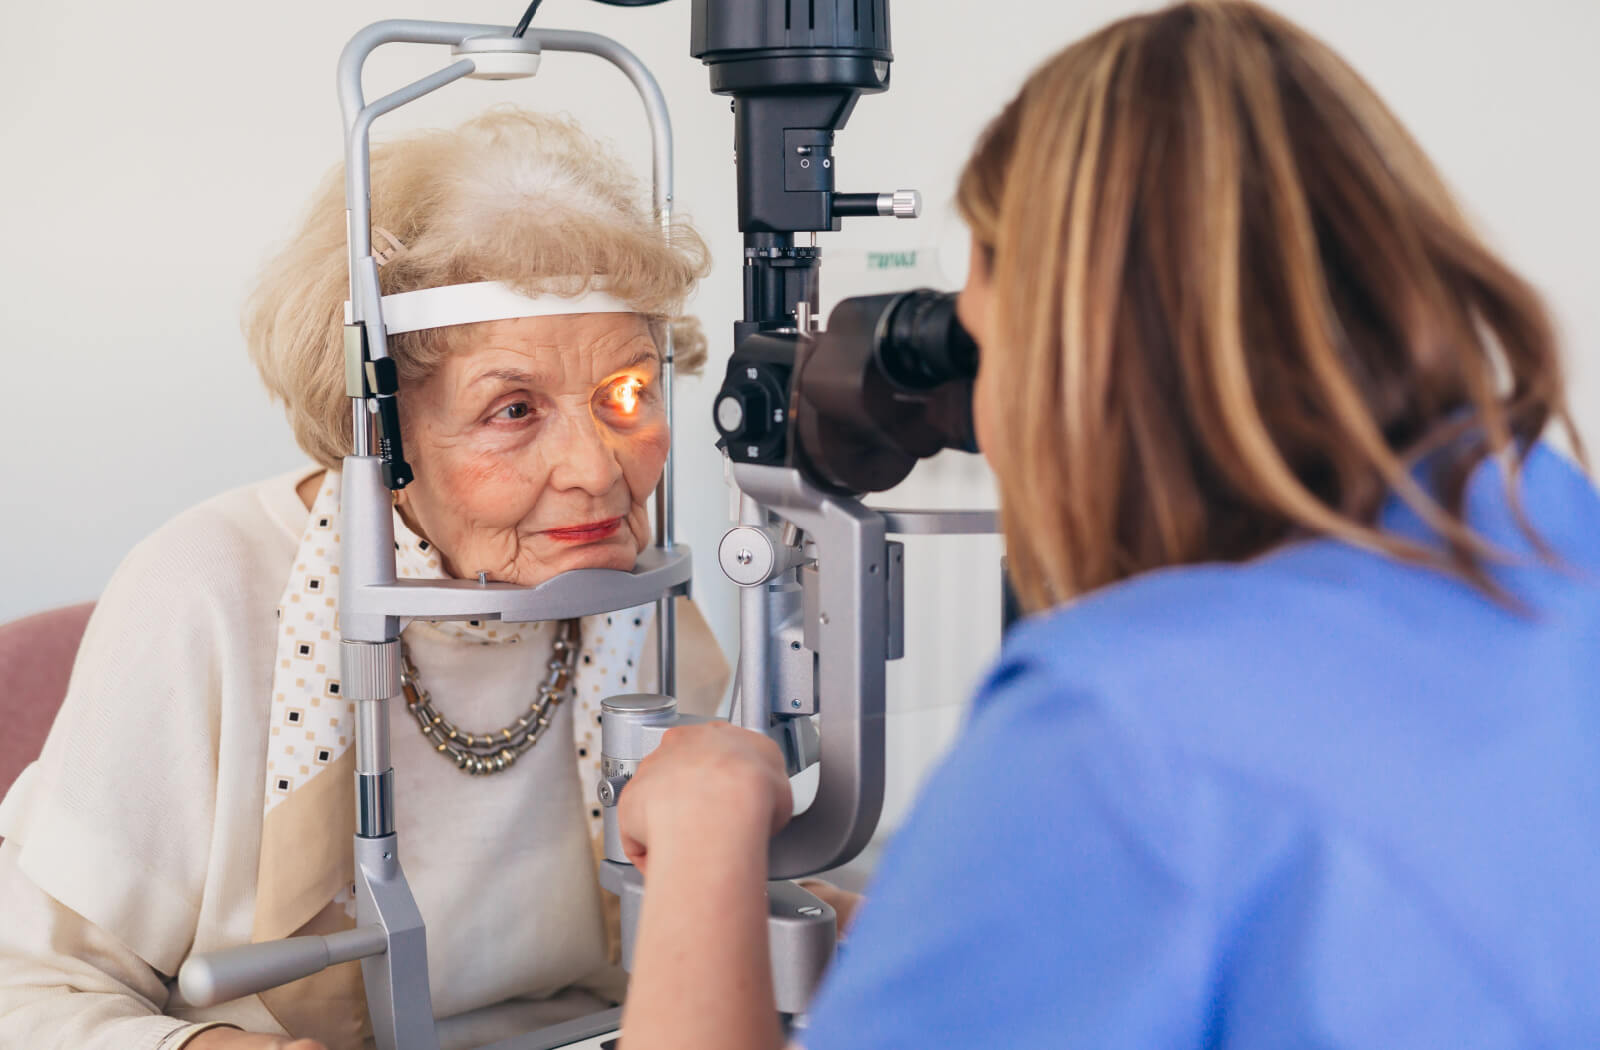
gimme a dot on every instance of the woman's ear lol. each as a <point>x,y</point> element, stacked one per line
<point>973,305</point>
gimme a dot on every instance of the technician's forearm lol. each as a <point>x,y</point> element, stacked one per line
<point>702,976</point>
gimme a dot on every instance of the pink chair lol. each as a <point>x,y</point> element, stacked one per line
<point>36,654</point>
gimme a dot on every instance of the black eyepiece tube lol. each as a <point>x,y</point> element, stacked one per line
<point>888,382</point>
<point>857,205</point>
<point>922,343</point>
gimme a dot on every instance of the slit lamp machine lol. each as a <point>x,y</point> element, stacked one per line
<point>810,421</point>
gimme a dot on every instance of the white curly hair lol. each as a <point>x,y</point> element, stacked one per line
<point>512,195</point>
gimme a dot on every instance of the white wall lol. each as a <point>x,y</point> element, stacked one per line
<point>153,153</point>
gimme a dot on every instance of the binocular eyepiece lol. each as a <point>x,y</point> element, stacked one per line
<point>920,342</point>
<point>888,383</point>
<point>854,407</point>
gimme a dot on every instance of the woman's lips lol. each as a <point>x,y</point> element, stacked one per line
<point>595,530</point>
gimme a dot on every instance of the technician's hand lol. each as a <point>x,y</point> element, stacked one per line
<point>695,819</point>
<point>707,789</point>
<point>233,1039</point>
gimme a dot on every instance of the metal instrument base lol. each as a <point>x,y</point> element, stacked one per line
<point>801,932</point>
<point>584,1033</point>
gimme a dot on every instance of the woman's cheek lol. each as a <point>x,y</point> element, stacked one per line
<point>639,525</point>
<point>644,455</point>
<point>983,415</point>
<point>495,489</point>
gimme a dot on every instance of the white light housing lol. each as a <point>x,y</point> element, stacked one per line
<point>500,57</point>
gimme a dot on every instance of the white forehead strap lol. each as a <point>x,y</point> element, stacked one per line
<point>483,301</point>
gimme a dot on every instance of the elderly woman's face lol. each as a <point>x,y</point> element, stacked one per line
<point>536,447</point>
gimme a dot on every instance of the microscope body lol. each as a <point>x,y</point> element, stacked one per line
<point>809,421</point>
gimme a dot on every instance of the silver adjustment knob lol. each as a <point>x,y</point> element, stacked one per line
<point>903,204</point>
<point>730,414</point>
<point>748,556</point>
<point>631,726</point>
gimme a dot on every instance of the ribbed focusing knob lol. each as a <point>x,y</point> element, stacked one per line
<point>369,670</point>
<point>906,204</point>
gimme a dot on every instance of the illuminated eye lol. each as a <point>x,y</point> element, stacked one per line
<point>516,410</point>
<point>625,395</point>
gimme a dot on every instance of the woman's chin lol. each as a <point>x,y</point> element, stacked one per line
<point>618,552</point>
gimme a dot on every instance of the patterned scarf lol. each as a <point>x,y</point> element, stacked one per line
<point>305,873</point>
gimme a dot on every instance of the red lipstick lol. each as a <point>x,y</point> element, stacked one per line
<point>595,530</point>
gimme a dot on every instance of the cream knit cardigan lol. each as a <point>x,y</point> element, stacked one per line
<point>134,839</point>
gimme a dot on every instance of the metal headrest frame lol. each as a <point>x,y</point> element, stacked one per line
<point>389,937</point>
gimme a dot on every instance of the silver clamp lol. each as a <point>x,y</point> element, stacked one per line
<point>751,555</point>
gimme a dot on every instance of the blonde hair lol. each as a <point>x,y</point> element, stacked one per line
<point>511,196</point>
<point>1238,304</point>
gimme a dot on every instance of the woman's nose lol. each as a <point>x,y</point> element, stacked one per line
<point>586,460</point>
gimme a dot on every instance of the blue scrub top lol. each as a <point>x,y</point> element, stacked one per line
<point>1321,799</point>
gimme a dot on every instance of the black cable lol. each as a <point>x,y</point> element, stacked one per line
<point>527,16</point>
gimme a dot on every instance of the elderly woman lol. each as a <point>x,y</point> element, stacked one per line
<point>195,792</point>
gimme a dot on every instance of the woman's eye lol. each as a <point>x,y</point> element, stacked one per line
<point>624,396</point>
<point>515,410</point>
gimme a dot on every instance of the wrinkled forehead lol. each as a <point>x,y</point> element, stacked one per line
<point>557,350</point>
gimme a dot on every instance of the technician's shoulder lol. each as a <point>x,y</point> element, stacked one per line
<point>1133,635</point>
<point>1201,651</point>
